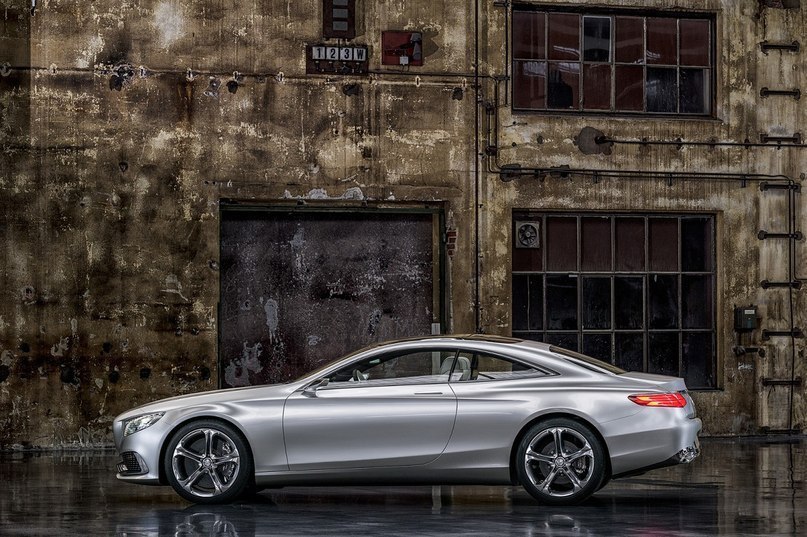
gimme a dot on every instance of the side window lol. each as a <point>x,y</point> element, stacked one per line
<point>419,367</point>
<point>482,367</point>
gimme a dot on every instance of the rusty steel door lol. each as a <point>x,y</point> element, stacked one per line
<point>302,287</point>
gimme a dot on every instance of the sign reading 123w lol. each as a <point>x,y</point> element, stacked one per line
<point>342,60</point>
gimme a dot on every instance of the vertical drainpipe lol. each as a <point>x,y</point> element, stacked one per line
<point>477,249</point>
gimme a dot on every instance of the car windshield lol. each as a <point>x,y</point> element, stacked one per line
<point>587,361</point>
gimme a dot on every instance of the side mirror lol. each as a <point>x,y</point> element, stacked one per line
<point>311,389</point>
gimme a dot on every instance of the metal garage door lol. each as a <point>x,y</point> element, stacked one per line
<point>301,287</point>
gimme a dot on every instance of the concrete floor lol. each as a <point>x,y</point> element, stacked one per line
<point>737,487</point>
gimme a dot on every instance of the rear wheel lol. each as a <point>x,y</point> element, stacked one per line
<point>560,462</point>
<point>208,462</point>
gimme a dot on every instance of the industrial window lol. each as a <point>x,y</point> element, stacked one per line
<point>637,291</point>
<point>339,18</point>
<point>604,61</point>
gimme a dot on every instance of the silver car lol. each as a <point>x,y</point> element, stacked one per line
<point>439,410</point>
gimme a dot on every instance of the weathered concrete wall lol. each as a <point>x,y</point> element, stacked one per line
<point>110,198</point>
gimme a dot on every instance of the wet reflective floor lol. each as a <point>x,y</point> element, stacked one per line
<point>736,487</point>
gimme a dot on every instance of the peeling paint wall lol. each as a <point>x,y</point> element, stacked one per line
<point>120,136</point>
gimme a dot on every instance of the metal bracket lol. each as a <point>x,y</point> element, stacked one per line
<point>766,92</point>
<point>766,46</point>
<point>768,334</point>
<point>765,284</point>
<point>762,235</point>
<point>768,139</point>
<point>781,382</point>
<point>765,186</point>
<point>739,350</point>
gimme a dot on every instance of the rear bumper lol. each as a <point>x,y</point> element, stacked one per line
<point>684,456</point>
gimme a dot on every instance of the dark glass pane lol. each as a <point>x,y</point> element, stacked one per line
<point>566,341</point>
<point>561,243</point>
<point>698,360</point>
<point>527,259</point>
<point>662,90</point>
<point>662,41</point>
<point>596,303</point>
<point>597,39</point>
<point>533,336</point>
<point>520,301</point>
<point>695,42</point>
<point>597,87</point>
<point>663,244</point>
<point>696,301</point>
<point>595,247</point>
<point>536,290</point>
<point>629,93</point>
<point>563,88</point>
<point>629,244</point>
<point>696,244</point>
<point>629,42</point>
<point>564,36</point>
<point>628,302</point>
<point>529,85</point>
<point>561,302</point>
<point>629,351</point>
<point>598,346</point>
<point>529,35</point>
<point>662,311</point>
<point>695,96</point>
<point>662,353</point>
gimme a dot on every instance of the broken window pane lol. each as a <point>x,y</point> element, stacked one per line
<point>696,244</point>
<point>629,40</point>
<point>661,89</point>
<point>563,85</point>
<point>597,346</point>
<point>566,341</point>
<point>629,351</point>
<point>536,313</point>
<point>628,302</point>
<point>662,353</point>
<point>564,36</point>
<point>520,301</point>
<point>696,301</point>
<point>698,359</point>
<point>596,39</point>
<point>561,302</point>
<point>629,93</point>
<point>695,93</point>
<point>529,35</point>
<point>596,303</point>
<point>662,41</point>
<point>663,301</point>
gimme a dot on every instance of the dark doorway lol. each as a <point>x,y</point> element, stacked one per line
<point>302,287</point>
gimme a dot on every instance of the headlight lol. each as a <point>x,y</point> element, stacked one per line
<point>141,422</point>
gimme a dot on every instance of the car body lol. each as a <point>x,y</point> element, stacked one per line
<point>437,410</point>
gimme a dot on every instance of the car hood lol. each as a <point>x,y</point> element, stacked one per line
<point>271,391</point>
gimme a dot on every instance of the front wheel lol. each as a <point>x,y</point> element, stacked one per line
<point>560,462</point>
<point>208,462</point>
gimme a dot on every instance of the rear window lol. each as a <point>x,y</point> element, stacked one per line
<point>587,361</point>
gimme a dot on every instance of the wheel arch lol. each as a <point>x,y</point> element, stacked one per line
<point>548,416</point>
<point>189,419</point>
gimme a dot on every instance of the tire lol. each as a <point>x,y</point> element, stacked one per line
<point>208,462</point>
<point>560,480</point>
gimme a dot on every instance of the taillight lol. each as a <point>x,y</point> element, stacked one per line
<point>674,400</point>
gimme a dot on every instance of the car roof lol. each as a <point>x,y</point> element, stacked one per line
<point>479,338</point>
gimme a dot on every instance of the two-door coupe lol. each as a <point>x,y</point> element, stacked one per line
<point>438,410</point>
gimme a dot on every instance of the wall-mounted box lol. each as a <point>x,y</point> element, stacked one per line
<point>401,48</point>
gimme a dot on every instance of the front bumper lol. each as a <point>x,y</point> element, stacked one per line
<point>140,453</point>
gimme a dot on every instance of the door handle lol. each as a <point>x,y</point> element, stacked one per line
<point>428,393</point>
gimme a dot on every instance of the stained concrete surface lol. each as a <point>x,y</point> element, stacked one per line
<point>737,487</point>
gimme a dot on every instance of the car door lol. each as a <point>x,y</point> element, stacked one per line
<point>393,409</point>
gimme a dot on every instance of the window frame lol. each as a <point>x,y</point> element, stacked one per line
<point>393,381</point>
<point>709,16</point>
<point>646,330</point>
